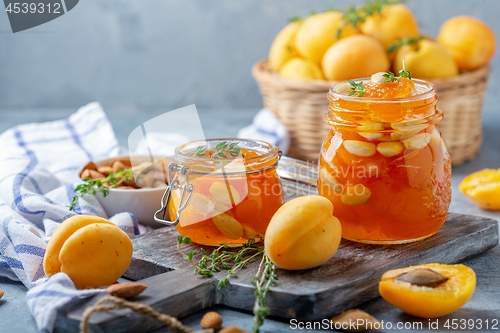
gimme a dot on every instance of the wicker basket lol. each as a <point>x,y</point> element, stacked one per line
<point>301,105</point>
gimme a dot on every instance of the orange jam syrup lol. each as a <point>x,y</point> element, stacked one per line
<point>384,165</point>
<point>231,204</point>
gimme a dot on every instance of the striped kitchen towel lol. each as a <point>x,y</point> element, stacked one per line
<point>38,175</point>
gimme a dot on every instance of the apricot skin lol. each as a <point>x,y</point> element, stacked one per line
<point>51,263</point>
<point>427,302</point>
<point>92,251</point>
<point>303,233</point>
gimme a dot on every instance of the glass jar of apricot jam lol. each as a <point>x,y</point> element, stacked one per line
<point>384,164</point>
<point>222,190</point>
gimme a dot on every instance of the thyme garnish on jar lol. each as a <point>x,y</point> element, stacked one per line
<point>355,15</point>
<point>220,150</point>
<point>356,88</point>
<point>232,261</point>
<point>403,73</point>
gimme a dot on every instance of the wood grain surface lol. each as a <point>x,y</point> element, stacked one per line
<point>347,280</point>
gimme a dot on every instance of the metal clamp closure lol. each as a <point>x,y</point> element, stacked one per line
<point>187,191</point>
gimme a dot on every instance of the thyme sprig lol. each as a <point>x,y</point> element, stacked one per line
<point>403,41</point>
<point>356,88</point>
<point>232,261</point>
<point>354,15</point>
<point>102,185</point>
<point>260,308</point>
<point>403,73</point>
<point>220,150</point>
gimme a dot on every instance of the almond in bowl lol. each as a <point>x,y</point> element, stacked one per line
<point>138,192</point>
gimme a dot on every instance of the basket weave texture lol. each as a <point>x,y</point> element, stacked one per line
<point>301,105</point>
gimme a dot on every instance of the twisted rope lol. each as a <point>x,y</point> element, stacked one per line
<point>144,310</point>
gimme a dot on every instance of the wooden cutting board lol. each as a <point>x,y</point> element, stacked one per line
<point>347,280</point>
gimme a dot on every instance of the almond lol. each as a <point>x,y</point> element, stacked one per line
<point>126,290</point>
<point>360,148</point>
<point>417,141</point>
<point>249,232</point>
<point>366,321</point>
<point>201,204</point>
<point>370,130</point>
<point>159,183</point>
<point>228,226</point>
<point>389,149</point>
<point>225,193</point>
<point>330,181</point>
<point>118,165</point>
<point>90,165</point>
<point>92,174</point>
<point>105,170</point>
<point>145,181</point>
<point>355,195</point>
<point>232,329</point>
<point>211,320</point>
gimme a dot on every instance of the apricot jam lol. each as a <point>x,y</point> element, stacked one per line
<point>235,193</point>
<point>384,164</point>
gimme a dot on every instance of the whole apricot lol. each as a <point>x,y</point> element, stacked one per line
<point>394,22</point>
<point>318,32</point>
<point>428,291</point>
<point>303,233</point>
<point>471,42</point>
<point>354,57</point>
<point>425,59</point>
<point>283,46</point>
<point>92,251</point>
<point>301,69</point>
<point>483,188</point>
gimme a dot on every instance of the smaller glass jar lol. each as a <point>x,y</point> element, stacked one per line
<point>222,198</point>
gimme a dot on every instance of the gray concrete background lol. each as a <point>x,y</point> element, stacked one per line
<point>169,53</point>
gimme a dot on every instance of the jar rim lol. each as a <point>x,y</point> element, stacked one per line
<point>427,89</point>
<point>184,152</point>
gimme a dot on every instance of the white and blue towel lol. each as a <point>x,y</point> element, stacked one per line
<point>38,175</point>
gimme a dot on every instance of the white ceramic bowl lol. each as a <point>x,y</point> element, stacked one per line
<point>143,203</point>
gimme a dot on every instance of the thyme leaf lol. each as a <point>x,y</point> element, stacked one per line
<point>356,88</point>
<point>231,261</point>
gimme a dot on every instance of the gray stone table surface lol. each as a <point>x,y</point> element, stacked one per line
<point>485,304</point>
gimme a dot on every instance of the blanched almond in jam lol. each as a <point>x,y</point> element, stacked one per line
<point>369,130</point>
<point>418,141</point>
<point>405,130</point>
<point>224,193</point>
<point>355,195</point>
<point>360,148</point>
<point>389,149</point>
<point>201,204</point>
<point>378,78</point>
<point>249,232</point>
<point>330,181</point>
<point>228,226</point>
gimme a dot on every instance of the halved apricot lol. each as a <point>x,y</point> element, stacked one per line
<point>428,291</point>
